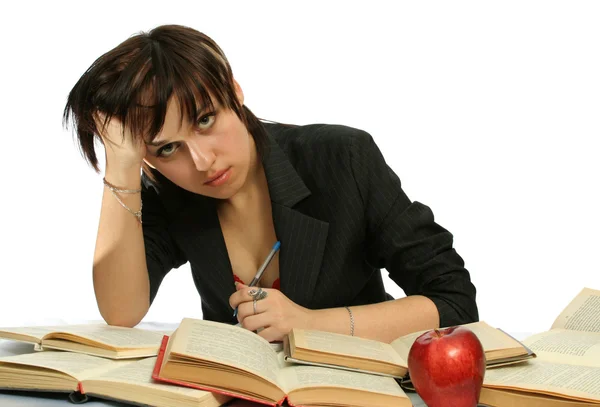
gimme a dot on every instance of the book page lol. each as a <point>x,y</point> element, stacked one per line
<point>132,381</point>
<point>564,346</point>
<point>35,333</point>
<point>73,364</point>
<point>140,373</point>
<point>582,313</point>
<point>571,380</point>
<point>491,339</point>
<point>226,344</point>
<point>115,336</point>
<point>346,345</point>
<point>301,376</point>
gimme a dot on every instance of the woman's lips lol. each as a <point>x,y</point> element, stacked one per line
<point>219,178</point>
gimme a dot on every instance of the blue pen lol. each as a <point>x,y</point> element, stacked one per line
<point>262,268</point>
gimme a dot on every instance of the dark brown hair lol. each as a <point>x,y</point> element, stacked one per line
<point>134,81</point>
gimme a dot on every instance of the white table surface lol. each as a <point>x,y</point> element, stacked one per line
<point>37,399</point>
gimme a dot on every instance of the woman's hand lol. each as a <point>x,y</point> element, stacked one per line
<point>122,150</point>
<point>276,313</point>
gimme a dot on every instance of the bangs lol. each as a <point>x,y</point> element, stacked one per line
<point>160,77</point>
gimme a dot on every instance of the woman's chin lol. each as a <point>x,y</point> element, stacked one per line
<point>223,192</point>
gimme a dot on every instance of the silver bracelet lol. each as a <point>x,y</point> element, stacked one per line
<point>114,190</point>
<point>351,321</point>
<point>137,214</point>
<point>122,191</point>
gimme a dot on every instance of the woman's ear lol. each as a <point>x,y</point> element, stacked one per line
<point>238,92</point>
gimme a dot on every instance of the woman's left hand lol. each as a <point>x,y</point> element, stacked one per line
<point>276,313</point>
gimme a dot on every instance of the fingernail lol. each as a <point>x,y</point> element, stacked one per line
<point>235,313</point>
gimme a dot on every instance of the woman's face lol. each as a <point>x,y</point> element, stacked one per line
<point>211,156</point>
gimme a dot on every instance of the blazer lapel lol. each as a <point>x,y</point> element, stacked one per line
<point>302,246</point>
<point>302,237</point>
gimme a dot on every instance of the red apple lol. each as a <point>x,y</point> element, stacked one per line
<point>447,366</point>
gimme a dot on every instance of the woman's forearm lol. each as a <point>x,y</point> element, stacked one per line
<point>384,321</point>
<point>120,275</point>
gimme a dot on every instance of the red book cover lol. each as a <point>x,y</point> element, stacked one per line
<point>156,376</point>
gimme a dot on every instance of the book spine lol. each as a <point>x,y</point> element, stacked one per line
<point>160,357</point>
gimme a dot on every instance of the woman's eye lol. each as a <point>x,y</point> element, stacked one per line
<point>206,121</point>
<point>166,150</point>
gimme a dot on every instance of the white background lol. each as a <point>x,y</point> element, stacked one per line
<point>489,113</point>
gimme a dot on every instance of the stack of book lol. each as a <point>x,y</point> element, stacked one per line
<point>204,363</point>
<point>98,360</point>
<point>566,371</point>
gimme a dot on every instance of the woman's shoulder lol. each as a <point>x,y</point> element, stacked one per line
<point>317,137</point>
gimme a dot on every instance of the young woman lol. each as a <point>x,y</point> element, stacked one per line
<point>219,187</point>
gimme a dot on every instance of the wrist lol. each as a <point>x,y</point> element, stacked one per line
<point>320,319</point>
<point>309,318</point>
<point>126,177</point>
<point>335,320</point>
<point>125,161</point>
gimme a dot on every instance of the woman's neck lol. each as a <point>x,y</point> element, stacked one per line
<point>255,190</point>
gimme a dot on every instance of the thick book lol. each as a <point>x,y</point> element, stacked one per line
<point>490,397</point>
<point>82,376</point>
<point>566,371</point>
<point>390,359</point>
<point>93,339</point>
<point>231,360</point>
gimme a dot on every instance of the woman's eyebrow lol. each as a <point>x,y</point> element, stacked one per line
<point>155,143</point>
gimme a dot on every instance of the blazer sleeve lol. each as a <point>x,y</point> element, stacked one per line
<point>162,252</point>
<point>404,238</point>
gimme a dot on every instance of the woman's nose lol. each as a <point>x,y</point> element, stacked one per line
<point>202,155</point>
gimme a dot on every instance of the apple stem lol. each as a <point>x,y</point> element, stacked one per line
<point>437,333</point>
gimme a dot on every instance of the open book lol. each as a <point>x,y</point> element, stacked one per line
<point>234,361</point>
<point>566,371</point>
<point>389,359</point>
<point>94,339</point>
<point>83,375</point>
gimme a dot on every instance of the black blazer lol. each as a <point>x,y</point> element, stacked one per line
<point>341,216</point>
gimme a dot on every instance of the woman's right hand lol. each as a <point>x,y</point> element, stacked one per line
<point>122,150</point>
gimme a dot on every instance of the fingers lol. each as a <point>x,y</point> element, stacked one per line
<point>103,125</point>
<point>244,310</point>
<point>118,139</point>
<point>263,321</point>
<point>99,118</point>
<point>271,334</point>
<point>242,295</point>
<point>254,322</point>
<point>249,308</point>
<point>238,296</point>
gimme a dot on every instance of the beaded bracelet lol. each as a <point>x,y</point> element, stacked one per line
<point>351,321</point>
